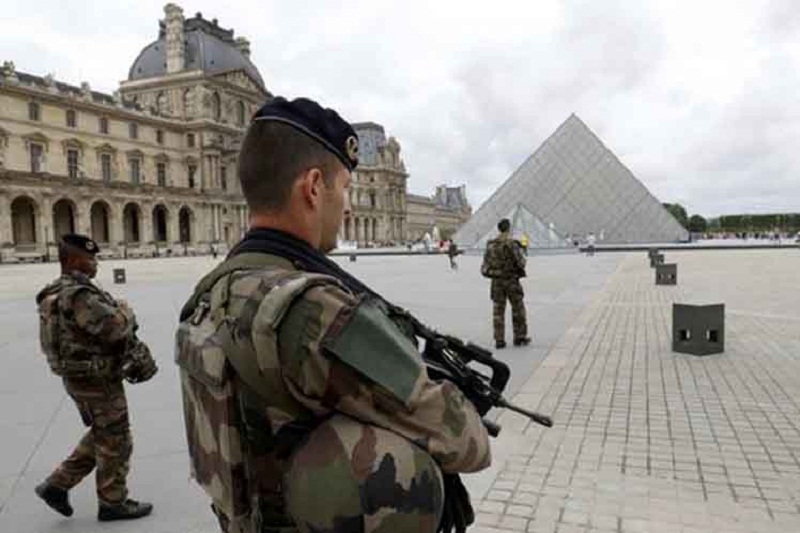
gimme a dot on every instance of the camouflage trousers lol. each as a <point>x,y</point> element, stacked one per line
<point>106,445</point>
<point>511,290</point>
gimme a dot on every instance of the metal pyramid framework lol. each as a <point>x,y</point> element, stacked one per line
<point>574,185</point>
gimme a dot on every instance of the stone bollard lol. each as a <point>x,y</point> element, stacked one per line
<point>656,259</point>
<point>698,329</point>
<point>667,274</point>
<point>119,275</point>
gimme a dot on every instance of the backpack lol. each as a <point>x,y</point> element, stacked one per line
<point>491,266</point>
<point>50,326</point>
<point>217,368</point>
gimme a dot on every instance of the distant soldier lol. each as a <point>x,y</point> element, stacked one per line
<point>89,340</point>
<point>504,264</point>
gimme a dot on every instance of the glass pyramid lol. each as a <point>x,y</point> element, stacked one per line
<point>575,185</point>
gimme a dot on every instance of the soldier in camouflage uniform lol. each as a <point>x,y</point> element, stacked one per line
<point>504,263</point>
<point>307,407</point>
<point>83,332</point>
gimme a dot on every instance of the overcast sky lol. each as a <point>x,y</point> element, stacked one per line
<point>700,99</point>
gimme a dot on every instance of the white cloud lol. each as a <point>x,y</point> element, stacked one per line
<point>697,98</point>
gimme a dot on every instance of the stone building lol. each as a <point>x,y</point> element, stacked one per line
<point>377,191</point>
<point>152,168</point>
<point>149,169</point>
<point>447,210</point>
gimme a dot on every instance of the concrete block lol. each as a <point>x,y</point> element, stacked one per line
<point>667,274</point>
<point>698,329</point>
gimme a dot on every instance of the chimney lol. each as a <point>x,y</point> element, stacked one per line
<point>243,45</point>
<point>176,52</point>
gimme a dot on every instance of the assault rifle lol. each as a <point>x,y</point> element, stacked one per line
<point>448,357</point>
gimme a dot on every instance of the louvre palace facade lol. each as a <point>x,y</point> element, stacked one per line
<point>152,168</point>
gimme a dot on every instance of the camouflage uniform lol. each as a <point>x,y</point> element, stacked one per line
<point>339,427</point>
<point>504,263</point>
<point>92,329</point>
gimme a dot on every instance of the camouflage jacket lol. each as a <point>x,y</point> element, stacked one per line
<point>81,322</point>
<point>503,259</point>
<point>312,365</point>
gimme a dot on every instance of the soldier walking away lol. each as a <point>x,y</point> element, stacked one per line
<point>307,404</point>
<point>89,340</point>
<point>452,253</point>
<point>504,264</point>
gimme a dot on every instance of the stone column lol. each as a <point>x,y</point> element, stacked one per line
<point>173,226</point>
<point>5,219</point>
<point>44,223</point>
<point>115,220</point>
<point>146,223</point>
<point>83,217</point>
<point>215,222</point>
<point>210,221</point>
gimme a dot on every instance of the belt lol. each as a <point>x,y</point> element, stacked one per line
<point>94,366</point>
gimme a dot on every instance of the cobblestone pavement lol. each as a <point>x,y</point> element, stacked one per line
<point>39,425</point>
<point>648,440</point>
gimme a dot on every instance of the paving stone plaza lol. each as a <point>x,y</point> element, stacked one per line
<point>644,439</point>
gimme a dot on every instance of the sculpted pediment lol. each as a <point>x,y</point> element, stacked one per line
<point>241,79</point>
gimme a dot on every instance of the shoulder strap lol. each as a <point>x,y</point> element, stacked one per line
<point>243,261</point>
<point>235,332</point>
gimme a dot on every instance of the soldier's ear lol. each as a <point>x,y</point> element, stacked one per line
<point>310,185</point>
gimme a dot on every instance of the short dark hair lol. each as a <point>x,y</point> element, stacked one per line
<point>65,251</point>
<point>504,225</point>
<point>272,156</point>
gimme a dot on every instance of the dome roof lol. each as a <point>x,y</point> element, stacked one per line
<point>208,47</point>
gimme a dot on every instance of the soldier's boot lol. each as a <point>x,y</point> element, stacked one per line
<point>126,510</point>
<point>522,342</point>
<point>499,344</point>
<point>56,498</point>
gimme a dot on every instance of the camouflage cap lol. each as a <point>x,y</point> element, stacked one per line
<point>81,242</point>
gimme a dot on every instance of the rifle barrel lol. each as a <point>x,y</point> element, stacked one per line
<point>536,417</point>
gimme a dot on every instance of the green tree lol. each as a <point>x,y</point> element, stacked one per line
<point>679,212</point>
<point>697,224</point>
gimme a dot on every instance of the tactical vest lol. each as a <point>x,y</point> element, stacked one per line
<point>499,260</point>
<point>70,352</point>
<point>234,453</point>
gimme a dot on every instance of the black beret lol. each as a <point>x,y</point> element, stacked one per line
<point>504,225</point>
<point>321,124</point>
<point>82,242</point>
